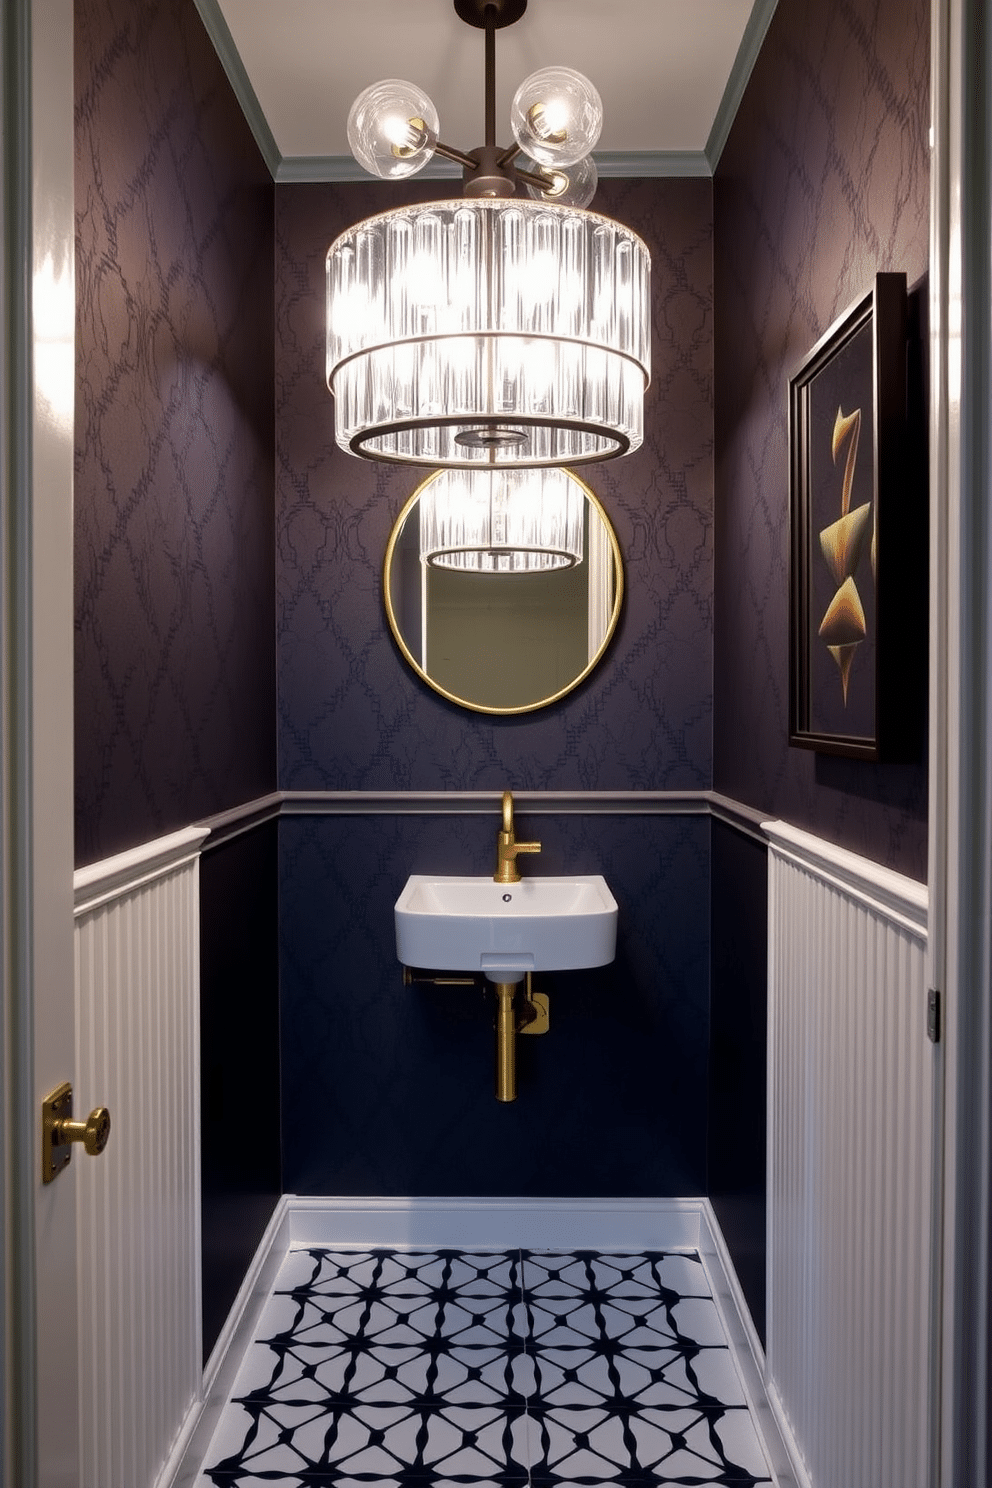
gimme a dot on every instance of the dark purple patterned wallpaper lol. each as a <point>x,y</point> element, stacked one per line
<point>175,672</point>
<point>823,182</point>
<point>352,716</point>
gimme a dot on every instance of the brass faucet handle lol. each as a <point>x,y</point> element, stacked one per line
<point>506,857</point>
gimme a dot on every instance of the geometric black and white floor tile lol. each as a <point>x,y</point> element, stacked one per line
<point>386,1367</point>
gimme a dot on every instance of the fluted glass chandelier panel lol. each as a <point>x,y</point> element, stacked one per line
<point>481,332</point>
<point>502,521</point>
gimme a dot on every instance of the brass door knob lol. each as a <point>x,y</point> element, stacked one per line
<point>93,1132</point>
<point>59,1131</point>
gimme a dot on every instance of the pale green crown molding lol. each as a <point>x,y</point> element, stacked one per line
<point>631,163</point>
<point>230,59</point>
<point>747,54</point>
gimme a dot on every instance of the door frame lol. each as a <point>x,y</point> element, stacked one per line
<point>37,274</point>
<point>960,819</point>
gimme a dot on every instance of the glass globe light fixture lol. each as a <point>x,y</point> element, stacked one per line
<point>392,129</point>
<point>571,187</point>
<point>556,116</point>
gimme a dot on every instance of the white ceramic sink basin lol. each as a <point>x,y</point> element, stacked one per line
<point>505,930</point>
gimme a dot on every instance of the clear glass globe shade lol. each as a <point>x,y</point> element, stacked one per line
<point>556,116</point>
<point>574,186</point>
<point>392,129</point>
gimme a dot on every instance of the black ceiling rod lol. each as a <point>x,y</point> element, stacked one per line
<point>491,15</point>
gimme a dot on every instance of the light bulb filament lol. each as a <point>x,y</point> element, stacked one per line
<point>558,184</point>
<point>548,122</point>
<point>407,136</point>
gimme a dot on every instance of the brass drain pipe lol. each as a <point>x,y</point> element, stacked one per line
<point>506,1042</point>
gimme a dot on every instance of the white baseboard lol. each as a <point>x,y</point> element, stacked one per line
<point>255,1288</point>
<point>485,1224</point>
<point>182,1450</point>
<point>493,1223</point>
<point>219,1373</point>
<point>745,1345</point>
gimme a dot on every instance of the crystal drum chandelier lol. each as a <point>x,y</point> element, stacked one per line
<point>502,521</point>
<point>495,329</point>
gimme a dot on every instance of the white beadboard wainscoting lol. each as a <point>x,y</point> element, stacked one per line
<point>851,1151</point>
<point>138,1210</point>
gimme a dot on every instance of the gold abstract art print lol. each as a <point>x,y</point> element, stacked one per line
<point>847,420</point>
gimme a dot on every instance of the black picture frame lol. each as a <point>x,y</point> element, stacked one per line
<point>847,444</point>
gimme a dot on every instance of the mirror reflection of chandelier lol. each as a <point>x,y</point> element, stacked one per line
<point>493,330</point>
<point>502,521</point>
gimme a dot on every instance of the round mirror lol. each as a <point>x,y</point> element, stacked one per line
<point>503,587</point>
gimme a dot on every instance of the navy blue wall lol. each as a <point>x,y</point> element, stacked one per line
<point>389,1089</point>
<point>737,1073</point>
<point>240,1143</point>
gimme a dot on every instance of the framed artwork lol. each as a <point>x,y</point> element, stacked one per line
<point>847,438</point>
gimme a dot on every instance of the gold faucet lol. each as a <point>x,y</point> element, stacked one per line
<point>507,846</point>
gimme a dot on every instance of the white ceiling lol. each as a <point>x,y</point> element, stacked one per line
<point>661,66</point>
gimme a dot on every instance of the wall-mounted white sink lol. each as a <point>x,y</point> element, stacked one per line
<point>506,930</point>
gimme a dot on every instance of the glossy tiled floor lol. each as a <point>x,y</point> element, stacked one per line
<point>512,1367</point>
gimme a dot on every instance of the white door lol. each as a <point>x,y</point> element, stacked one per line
<point>40,1364</point>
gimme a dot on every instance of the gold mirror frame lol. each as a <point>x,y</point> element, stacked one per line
<point>595,509</point>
